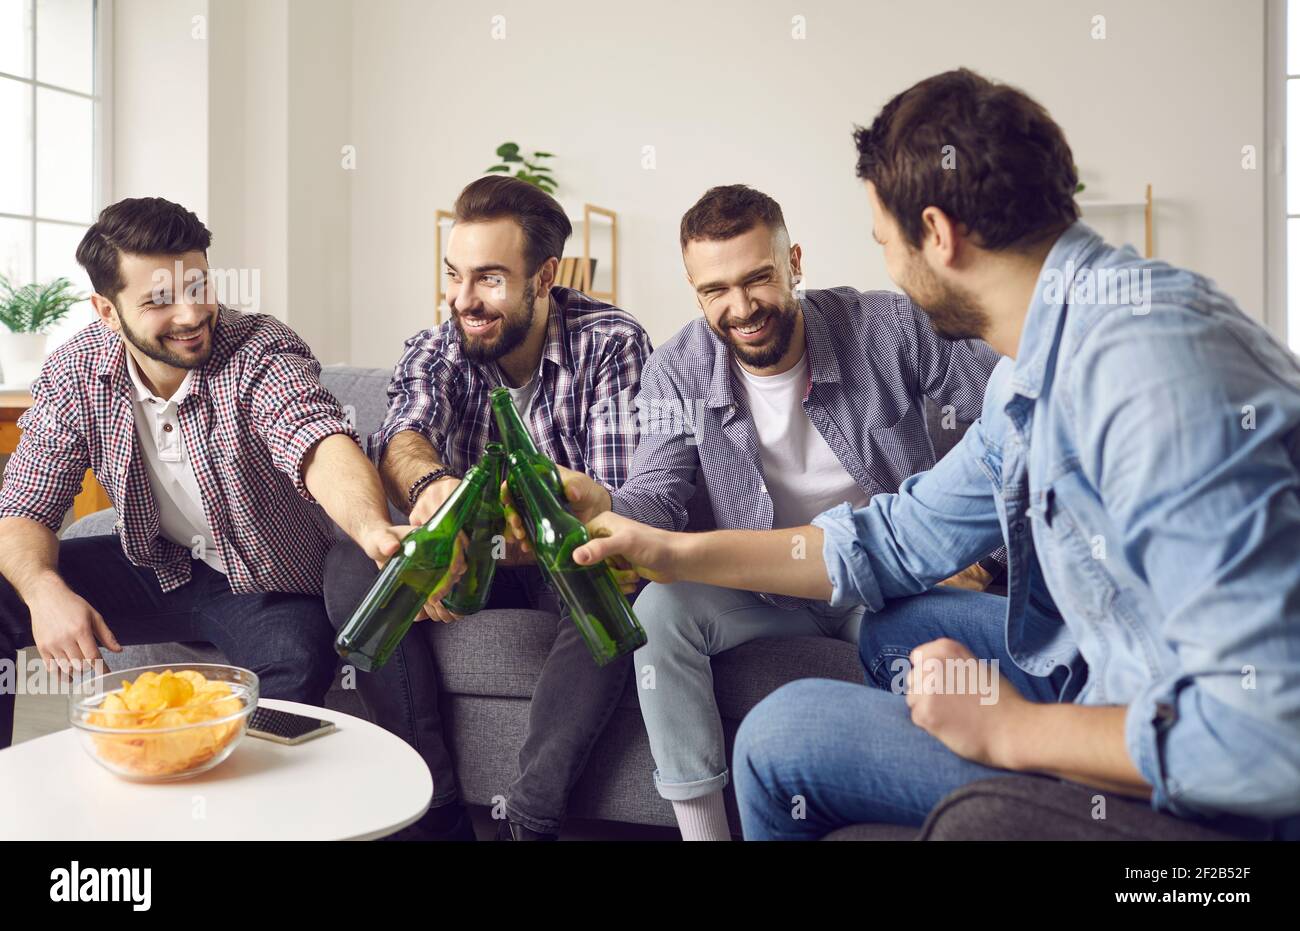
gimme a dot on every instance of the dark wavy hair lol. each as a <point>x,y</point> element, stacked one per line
<point>1009,176</point>
<point>538,214</point>
<point>726,211</point>
<point>138,226</point>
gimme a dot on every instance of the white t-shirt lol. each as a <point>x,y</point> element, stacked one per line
<point>525,394</point>
<point>803,475</point>
<point>171,474</point>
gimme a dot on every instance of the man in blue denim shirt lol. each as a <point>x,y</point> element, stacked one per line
<point>1139,453</point>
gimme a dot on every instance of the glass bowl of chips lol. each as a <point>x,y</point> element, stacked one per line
<point>158,723</point>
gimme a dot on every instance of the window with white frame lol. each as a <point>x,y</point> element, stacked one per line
<point>51,160</point>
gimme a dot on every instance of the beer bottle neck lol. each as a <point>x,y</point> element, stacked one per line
<point>514,435</point>
<point>463,499</point>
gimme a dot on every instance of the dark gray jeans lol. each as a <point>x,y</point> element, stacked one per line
<point>284,638</point>
<point>571,704</point>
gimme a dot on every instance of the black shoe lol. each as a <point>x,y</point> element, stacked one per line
<point>512,830</point>
<point>444,823</point>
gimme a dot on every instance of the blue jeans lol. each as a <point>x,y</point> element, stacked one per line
<point>686,624</point>
<point>285,638</point>
<point>818,754</point>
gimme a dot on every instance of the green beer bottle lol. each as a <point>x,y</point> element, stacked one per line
<point>410,576</point>
<point>471,592</point>
<point>516,438</point>
<point>596,604</point>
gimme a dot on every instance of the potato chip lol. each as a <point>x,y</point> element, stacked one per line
<point>166,700</point>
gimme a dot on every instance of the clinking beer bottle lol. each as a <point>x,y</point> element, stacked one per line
<point>410,576</point>
<point>471,592</point>
<point>516,438</point>
<point>596,604</point>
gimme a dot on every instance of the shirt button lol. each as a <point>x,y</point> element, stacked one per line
<point>1018,526</point>
<point>763,489</point>
<point>167,428</point>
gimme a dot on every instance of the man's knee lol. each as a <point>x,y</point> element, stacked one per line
<point>301,670</point>
<point>767,734</point>
<point>670,616</point>
<point>349,573</point>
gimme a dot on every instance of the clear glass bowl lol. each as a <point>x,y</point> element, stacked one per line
<point>167,743</point>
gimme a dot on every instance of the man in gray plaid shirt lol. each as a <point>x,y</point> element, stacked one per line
<point>782,403</point>
<point>562,355</point>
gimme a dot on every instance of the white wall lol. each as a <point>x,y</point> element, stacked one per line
<point>248,155</point>
<point>725,94</point>
<point>319,186</point>
<point>246,127</point>
<point>240,117</point>
<point>160,102</point>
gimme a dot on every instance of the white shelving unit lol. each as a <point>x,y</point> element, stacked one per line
<point>1148,205</point>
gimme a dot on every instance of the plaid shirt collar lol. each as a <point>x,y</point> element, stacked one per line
<point>823,365</point>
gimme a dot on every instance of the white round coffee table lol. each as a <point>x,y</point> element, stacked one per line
<point>358,783</point>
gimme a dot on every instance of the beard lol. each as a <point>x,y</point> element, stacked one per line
<point>515,325</point>
<point>954,313</point>
<point>155,348</point>
<point>769,352</point>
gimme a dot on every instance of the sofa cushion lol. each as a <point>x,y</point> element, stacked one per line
<point>501,652</point>
<point>868,832</point>
<point>363,392</point>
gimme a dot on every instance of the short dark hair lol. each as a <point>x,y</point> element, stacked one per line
<point>139,226</point>
<point>729,210</point>
<point>1014,177</point>
<point>545,226</point>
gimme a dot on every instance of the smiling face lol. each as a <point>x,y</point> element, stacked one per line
<point>166,308</point>
<point>491,297</point>
<point>954,312</point>
<point>745,286</point>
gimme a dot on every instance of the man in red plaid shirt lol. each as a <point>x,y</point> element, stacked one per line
<point>222,454</point>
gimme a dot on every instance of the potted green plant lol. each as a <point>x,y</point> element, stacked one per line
<point>525,167</point>
<point>28,313</point>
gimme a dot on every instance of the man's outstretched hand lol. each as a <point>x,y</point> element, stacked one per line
<point>645,551</point>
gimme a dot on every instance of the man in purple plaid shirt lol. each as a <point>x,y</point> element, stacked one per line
<point>566,360</point>
<point>222,454</point>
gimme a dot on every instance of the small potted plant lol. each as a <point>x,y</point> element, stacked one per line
<point>28,313</point>
<point>525,167</point>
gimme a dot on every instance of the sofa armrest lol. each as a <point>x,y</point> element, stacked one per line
<point>92,525</point>
<point>1042,808</point>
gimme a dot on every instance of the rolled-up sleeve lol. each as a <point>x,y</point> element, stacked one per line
<point>45,472</point>
<point>292,410</point>
<point>422,396</point>
<point>1207,504</point>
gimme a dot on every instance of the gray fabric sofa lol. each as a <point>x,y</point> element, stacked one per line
<point>489,663</point>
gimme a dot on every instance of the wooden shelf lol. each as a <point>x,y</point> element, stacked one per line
<point>1148,206</point>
